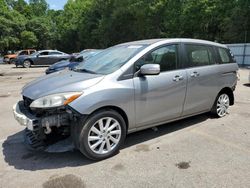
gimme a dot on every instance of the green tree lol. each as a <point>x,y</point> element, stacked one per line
<point>38,7</point>
<point>11,25</point>
<point>28,39</point>
<point>41,27</point>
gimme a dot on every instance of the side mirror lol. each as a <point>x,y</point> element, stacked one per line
<point>150,69</point>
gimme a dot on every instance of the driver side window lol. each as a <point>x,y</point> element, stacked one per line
<point>166,57</point>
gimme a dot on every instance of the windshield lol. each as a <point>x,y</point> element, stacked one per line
<point>86,54</point>
<point>109,60</point>
<point>35,53</point>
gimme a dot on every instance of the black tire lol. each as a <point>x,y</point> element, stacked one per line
<point>214,110</point>
<point>27,64</point>
<point>12,61</point>
<point>83,143</point>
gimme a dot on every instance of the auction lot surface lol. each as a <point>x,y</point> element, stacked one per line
<point>196,152</point>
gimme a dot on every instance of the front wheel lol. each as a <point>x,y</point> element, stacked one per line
<point>221,105</point>
<point>102,135</point>
<point>26,64</point>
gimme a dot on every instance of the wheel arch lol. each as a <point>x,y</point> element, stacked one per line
<point>31,62</point>
<point>228,91</point>
<point>117,109</point>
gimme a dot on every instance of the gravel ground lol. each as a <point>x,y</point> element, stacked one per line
<point>196,152</point>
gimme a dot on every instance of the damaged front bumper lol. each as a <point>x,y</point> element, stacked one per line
<point>46,129</point>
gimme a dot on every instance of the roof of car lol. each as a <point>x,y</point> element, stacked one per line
<point>49,51</point>
<point>153,41</point>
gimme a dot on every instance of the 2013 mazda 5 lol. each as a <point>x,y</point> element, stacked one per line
<point>126,88</point>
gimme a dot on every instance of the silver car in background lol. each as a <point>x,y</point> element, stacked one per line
<point>127,88</point>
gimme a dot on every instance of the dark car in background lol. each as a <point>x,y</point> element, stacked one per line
<point>74,61</point>
<point>43,57</point>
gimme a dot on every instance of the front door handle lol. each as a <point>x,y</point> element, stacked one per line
<point>195,74</point>
<point>178,78</point>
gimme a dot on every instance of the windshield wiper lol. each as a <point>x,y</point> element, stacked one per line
<point>84,70</point>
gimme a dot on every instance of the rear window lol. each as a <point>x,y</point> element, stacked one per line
<point>32,51</point>
<point>225,56</point>
<point>199,55</point>
<point>23,53</point>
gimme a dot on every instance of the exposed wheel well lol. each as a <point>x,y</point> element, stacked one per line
<point>228,91</point>
<point>117,109</point>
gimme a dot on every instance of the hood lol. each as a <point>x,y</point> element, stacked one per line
<point>60,64</point>
<point>11,56</point>
<point>60,82</point>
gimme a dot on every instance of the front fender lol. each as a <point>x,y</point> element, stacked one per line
<point>119,95</point>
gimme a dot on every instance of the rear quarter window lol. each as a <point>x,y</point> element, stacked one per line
<point>225,56</point>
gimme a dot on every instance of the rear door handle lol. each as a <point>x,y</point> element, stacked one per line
<point>195,74</point>
<point>178,78</point>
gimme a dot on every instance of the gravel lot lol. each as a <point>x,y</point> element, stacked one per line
<point>196,152</point>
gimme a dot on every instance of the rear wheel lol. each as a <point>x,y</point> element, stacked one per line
<point>26,64</point>
<point>221,105</point>
<point>12,61</point>
<point>102,135</point>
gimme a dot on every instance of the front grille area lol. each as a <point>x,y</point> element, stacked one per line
<point>27,101</point>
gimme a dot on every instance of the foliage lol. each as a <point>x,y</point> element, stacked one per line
<point>102,23</point>
<point>28,39</point>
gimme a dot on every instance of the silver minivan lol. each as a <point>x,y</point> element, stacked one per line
<point>127,88</point>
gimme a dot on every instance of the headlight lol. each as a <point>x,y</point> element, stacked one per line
<point>55,100</point>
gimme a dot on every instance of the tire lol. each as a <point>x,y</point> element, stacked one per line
<point>99,142</point>
<point>221,105</point>
<point>27,64</point>
<point>12,61</point>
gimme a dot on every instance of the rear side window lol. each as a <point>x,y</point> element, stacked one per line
<point>199,55</point>
<point>224,55</point>
<point>44,53</point>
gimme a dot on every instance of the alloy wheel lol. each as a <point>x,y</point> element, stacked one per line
<point>26,64</point>
<point>222,105</point>
<point>104,135</point>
